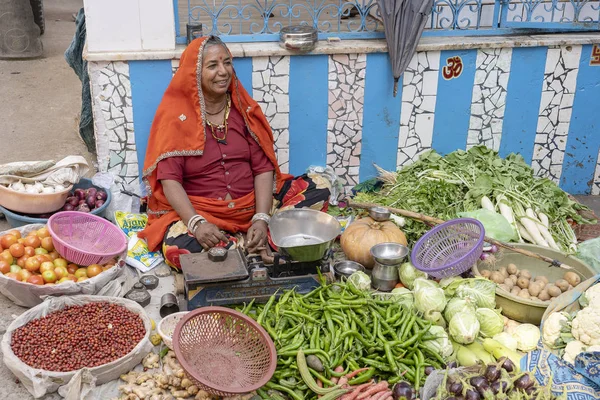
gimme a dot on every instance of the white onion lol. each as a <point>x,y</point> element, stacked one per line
<point>59,188</point>
<point>38,186</point>
<point>48,189</point>
<point>18,186</point>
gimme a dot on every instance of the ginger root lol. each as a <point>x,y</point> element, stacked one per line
<point>151,361</point>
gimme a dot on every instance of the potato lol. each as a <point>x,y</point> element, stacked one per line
<point>524,294</point>
<point>540,282</point>
<point>486,273</point>
<point>497,277</point>
<point>504,287</point>
<point>541,278</point>
<point>512,269</point>
<point>534,289</point>
<point>544,295</point>
<point>552,290</point>
<point>504,272</point>
<point>562,285</point>
<point>572,278</point>
<point>508,282</point>
<point>525,274</point>
<point>523,283</point>
<point>515,290</point>
<point>513,278</point>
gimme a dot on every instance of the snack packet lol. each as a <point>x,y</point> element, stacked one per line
<point>138,255</point>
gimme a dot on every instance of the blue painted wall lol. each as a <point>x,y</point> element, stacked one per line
<point>149,80</point>
<point>243,70</point>
<point>584,130</point>
<point>453,104</point>
<point>381,117</point>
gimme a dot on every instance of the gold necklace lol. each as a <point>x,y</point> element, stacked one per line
<point>223,127</point>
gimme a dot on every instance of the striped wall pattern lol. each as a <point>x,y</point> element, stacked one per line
<point>339,110</point>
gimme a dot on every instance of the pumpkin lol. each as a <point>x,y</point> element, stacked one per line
<point>364,233</point>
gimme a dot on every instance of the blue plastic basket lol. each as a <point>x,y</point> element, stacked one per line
<point>450,248</point>
<point>16,219</point>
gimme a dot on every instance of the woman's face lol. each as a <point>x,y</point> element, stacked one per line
<point>217,70</point>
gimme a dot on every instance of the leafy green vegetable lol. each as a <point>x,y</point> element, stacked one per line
<point>445,186</point>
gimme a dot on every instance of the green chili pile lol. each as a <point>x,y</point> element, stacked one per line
<point>346,329</point>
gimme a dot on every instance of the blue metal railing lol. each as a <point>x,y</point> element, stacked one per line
<point>261,20</point>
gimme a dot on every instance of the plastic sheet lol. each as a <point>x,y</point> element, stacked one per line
<point>76,384</point>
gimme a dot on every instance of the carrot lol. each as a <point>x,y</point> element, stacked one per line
<point>356,391</point>
<point>339,369</point>
<point>398,285</point>
<point>381,386</point>
<point>381,395</point>
<point>352,374</point>
<point>333,380</point>
<point>343,381</point>
<point>319,384</point>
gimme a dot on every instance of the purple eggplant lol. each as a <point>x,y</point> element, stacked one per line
<point>507,364</point>
<point>428,370</point>
<point>472,395</point>
<point>492,373</point>
<point>456,388</point>
<point>403,391</point>
<point>523,382</point>
<point>452,364</point>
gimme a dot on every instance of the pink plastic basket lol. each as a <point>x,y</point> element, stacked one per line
<point>85,239</point>
<point>450,248</point>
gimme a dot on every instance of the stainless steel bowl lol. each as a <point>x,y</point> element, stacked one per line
<point>379,214</point>
<point>389,253</point>
<point>298,38</point>
<point>346,268</point>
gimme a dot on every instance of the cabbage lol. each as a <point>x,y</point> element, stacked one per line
<point>360,280</point>
<point>456,305</point>
<point>420,283</point>
<point>403,296</point>
<point>408,274</point>
<point>428,299</point>
<point>479,291</point>
<point>527,336</point>
<point>490,321</point>
<point>464,327</point>
<point>442,344</point>
<point>435,317</point>
<point>507,340</point>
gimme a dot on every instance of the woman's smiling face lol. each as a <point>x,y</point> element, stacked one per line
<point>217,70</point>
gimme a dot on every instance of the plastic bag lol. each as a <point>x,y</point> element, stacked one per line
<point>335,184</point>
<point>114,282</point>
<point>496,226</point>
<point>39,382</point>
<point>589,251</point>
<point>138,254</point>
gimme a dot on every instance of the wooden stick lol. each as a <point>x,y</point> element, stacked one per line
<point>432,220</point>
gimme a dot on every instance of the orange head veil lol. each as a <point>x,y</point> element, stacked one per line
<point>178,130</point>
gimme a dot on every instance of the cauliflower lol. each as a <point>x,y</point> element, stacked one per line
<point>586,326</point>
<point>527,336</point>
<point>557,330</point>
<point>591,296</point>
<point>572,350</point>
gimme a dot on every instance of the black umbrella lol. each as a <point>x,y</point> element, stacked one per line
<point>404,21</point>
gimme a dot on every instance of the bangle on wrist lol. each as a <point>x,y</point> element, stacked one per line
<point>261,217</point>
<point>194,221</point>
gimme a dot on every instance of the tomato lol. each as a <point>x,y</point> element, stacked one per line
<point>60,262</point>
<point>21,261</point>
<point>29,251</point>
<point>12,275</point>
<point>43,258</point>
<point>61,272</point>
<point>17,250</point>
<point>42,233</point>
<point>71,277</point>
<point>33,241</point>
<point>41,250</point>
<point>32,264</point>
<point>4,267</point>
<point>72,268</point>
<point>6,256</point>
<point>49,276</point>
<point>36,280</point>
<point>47,243</point>
<point>15,233</point>
<point>21,240</point>
<point>81,273</point>
<point>94,270</point>
<point>47,266</point>
<point>24,275</point>
<point>15,269</point>
<point>8,240</point>
<point>53,255</point>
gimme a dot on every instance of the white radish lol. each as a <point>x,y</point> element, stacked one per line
<point>544,219</point>
<point>542,229</point>
<point>531,227</point>
<point>507,213</point>
<point>400,221</point>
<point>524,234</point>
<point>487,204</point>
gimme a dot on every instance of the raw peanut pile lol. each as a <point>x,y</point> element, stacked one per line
<point>78,336</point>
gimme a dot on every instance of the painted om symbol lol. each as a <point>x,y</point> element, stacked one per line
<point>453,69</point>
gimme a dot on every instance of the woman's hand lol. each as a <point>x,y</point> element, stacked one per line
<point>256,236</point>
<point>208,235</point>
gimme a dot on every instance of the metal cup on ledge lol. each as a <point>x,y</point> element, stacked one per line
<point>194,30</point>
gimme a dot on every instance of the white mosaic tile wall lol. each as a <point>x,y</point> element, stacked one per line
<point>113,119</point>
<point>270,88</point>
<point>489,97</point>
<point>345,115</point>
<point>419,94</point>
<point>558,93</point>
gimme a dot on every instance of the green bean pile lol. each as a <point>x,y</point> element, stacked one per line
<point>345,327</point>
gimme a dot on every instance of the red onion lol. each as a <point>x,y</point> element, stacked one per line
<point>83,208</point>
<point>494,249</point>
<point>80,202</point>
<point>483,256</point>
<point>80,193</point>
<point>91,192</point>
<point>90,201</point>
<point>99,203</point>
<point>68,207</point>
<point>101,195</point>
<point>72,200</point>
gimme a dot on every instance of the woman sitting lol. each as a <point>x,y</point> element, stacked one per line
<point>210,168</point>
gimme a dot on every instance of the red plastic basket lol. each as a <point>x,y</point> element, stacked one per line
<point>85,239</point>
<point>450,248</point>
<point>223,351</point>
